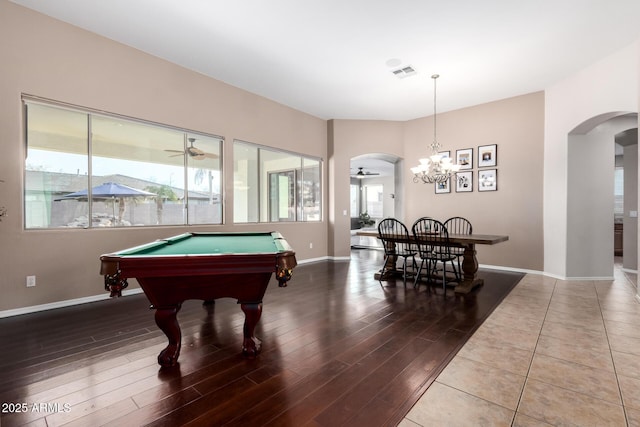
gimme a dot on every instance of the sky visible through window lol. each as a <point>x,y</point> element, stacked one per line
<point>51,161</point>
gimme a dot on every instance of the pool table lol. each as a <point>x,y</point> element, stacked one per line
<point>202,266</point>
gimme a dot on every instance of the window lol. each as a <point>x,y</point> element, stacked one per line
<point>274,186</point>
<point>85,169</point>
<point>618,191</point>
<point>373,200</point>
<point>245,183</point>
<point>355,200</point>
<point>282,196</point>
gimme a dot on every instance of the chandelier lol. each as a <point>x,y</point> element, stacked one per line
<point>436,168</point>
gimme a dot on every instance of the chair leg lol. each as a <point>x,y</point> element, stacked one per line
<point>384,268</point>
<point>430,270</point>
<point>404,271</point>
<point>419,270</point>
<point>414,265</point>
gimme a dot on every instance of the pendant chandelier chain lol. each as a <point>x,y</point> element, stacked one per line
<point>435,145</point>
<point>437,168</point>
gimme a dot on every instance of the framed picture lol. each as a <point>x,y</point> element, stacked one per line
<point>464,158</point>
<point>487,155</point>
<point>488,180</point>
<point>445,154</point>
<point>464,182</point>
<point>443,187</point>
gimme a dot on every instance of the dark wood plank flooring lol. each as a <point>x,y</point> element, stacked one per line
<point>338,349</point>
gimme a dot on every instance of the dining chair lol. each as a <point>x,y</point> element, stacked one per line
<point>458,225</point>
<point>432,240</point>
<point>397,243</point>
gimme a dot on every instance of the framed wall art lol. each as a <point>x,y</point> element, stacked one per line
<point>464,182</point>
<point>464,158</point>
<point>443,187</point>
<point>488,180</point>
<point>487,155</point>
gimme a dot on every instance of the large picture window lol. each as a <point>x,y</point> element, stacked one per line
<point>84,169</point>
<point>275,186</point>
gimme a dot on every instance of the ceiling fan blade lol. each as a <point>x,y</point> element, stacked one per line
<point>193,151</point>
<point>362,173</point>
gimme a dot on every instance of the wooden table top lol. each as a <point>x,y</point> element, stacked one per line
<point>463,239</point>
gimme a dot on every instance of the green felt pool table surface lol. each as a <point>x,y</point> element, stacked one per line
<point>211,243</point>
<point>212,253</point>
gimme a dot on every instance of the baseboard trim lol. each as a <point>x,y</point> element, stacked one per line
<point>325,258</point>
<point>510,269</point>
<point>310,260</point>
<point>62,304</point>
<point>554,276</point>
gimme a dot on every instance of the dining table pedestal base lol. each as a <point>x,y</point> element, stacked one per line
<point>469,272</point>
<point>466,287</point>
<point>470,279</point>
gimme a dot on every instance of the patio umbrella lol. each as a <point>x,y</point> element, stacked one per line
<point>108,190</point>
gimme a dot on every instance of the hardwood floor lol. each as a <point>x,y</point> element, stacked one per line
<point>338,349</point>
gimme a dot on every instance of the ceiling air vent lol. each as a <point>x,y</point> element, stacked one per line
<point>403,72</point>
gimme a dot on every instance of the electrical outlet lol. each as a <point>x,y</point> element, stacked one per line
<point>31,281</point>
<point>310,245</point>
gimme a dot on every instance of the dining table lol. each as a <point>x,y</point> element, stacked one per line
<point>468,242</point>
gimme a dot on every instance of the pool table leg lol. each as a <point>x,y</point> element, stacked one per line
<point>166,319</point>
<point>252,312</point>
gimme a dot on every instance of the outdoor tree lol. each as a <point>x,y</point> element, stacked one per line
<point>163,193</point>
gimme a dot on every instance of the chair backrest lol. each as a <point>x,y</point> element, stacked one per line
<point>458,225</point>
<point>395,237</point>
<point>431,235</point>
<point>420,219</point>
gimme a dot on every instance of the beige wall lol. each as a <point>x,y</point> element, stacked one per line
<point>347,139</point>
<point>47,58</point>
<point>630,223</point>
<point>516,126</point>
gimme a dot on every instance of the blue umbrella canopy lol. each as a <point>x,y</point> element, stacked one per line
<point>109,190</point>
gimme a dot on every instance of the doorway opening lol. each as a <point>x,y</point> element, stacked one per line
<point>375,182</point>
<point>591,199</point>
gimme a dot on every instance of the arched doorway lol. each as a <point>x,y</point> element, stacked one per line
<point>590,195</point>
<point>375,182</point>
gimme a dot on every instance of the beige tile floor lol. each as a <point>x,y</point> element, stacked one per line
<point>553,353</point>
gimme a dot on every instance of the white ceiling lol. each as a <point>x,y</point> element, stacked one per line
<point>330,58</point>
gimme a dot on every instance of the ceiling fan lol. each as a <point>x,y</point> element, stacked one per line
<point>193,152</point>
<point>362,173</point>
